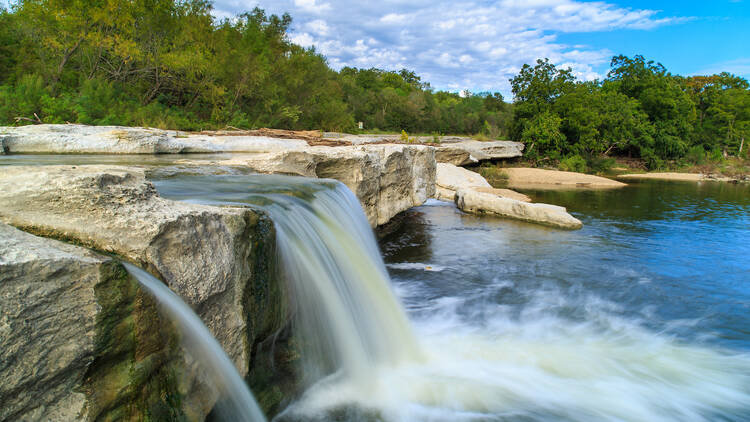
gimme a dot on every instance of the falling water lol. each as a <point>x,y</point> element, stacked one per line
<point>369,365</point>
<point>348,317</point>
<point>237,402</point>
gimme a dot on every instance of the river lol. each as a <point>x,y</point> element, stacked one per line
<point>642,315</point>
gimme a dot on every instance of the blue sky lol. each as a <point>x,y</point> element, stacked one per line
<point>478,45</point>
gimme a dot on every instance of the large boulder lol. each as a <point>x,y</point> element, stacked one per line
<point>478,202</point>
<point>217,259</point>
<point>82,139</point>
<point>387,179</point>
<point>471,152</point>
<point>473,194</point>
<point>450,178</point>
<point>82,341</point>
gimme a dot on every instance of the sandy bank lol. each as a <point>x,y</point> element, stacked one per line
<point>531,178</point>
<point>681,177</point>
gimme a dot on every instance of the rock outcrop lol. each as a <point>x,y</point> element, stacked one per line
<point>387,179</point>
<point>505,193</point>
<point>472,152</point>
<point>477,202</point>
<point>82,139</point>
<point>81,340</point>
<point>450,178</point>
<point>217,259</point>
<point>472,193</point>
<point>532,178</point>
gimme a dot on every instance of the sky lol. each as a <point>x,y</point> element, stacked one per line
<point>479,45</point>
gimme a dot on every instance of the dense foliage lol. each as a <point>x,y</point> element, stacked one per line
<point>170,63</point>
<point>639,110</point>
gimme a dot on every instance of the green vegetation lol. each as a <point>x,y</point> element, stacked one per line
<point>171,64</point>
<point>640,110</point>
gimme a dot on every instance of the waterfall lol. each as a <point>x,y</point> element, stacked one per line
<point>347,315</point>
<point>237,402</point>
<point>346,311</point>
<point>364,363</point>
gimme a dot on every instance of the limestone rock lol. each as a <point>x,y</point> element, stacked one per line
<point>82,139</point>
<point>452,177</point>
<point>476,202</point>
<point>215,258</point>
<point>469,151</point>
<point>80,339</point>
<point>505,193</point>
<point>387,179</point>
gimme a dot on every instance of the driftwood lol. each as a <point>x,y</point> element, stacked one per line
<point>38,121</point>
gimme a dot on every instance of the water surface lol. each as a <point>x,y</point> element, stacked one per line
<point>642,315</point>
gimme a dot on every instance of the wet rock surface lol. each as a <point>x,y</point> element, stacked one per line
<point>82,341</point>
<point>217,259</point>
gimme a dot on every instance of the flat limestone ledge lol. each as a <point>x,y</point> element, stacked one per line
<point>66,315</point>
<point>472,152</point>
<point>387,178</point>
<point>532,178</point>
<point>477,202</point>
<point>451,178</point>
<point>83,139</point>
<point>680,177</point>
<point>217,259</point>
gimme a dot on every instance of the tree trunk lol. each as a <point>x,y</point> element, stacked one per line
<point>68,54</point>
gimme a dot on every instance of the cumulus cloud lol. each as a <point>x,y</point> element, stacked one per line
<point>455,44</point>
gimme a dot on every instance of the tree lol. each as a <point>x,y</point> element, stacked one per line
<point>535,90</point>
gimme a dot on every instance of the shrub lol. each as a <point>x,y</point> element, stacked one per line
<point>696,155</point>
<point>573,163</point>
<point>600,163</point>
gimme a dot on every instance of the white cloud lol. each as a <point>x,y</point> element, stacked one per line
<point>304,39</point>
<point>455,44</point>
<point>393,18</point>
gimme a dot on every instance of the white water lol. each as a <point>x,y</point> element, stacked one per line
<point>349,318</point>
<point>541,367</point>
<point>491,364</point>
<point>236,402</point>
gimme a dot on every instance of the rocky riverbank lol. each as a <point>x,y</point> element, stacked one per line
<point>472,193</point>
<point>98,346</point>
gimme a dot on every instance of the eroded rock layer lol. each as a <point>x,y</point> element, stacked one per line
<point>82,341</point>
<point>217,259</point>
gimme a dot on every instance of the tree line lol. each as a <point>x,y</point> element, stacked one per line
<point>640,110</point>
<point>172,64</point>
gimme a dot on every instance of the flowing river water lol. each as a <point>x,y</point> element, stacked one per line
<point>640,316</point>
